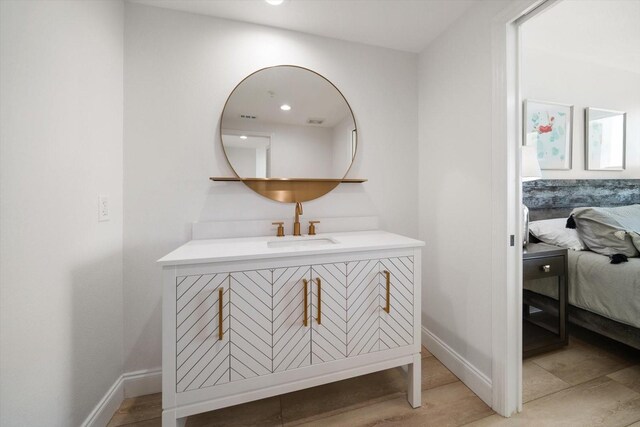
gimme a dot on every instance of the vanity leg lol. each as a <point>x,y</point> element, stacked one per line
<point>414,391</point>
<point>169,419</point>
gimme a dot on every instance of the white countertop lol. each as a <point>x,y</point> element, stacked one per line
<point>217,250</point>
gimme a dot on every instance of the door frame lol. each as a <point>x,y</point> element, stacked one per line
<point>506,195</point>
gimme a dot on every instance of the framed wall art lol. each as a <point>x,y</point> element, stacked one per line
<point>549,126</point>
<point>605,139</point>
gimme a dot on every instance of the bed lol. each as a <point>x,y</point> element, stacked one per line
<point>603,297</point>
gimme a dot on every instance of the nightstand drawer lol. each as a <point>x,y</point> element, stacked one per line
<point>537,268</point>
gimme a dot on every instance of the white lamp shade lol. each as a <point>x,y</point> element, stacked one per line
<point>530,166</point>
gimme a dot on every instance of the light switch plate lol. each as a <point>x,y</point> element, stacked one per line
<point>103,208</point>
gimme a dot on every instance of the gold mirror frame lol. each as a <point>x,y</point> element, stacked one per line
<point>290,190</point>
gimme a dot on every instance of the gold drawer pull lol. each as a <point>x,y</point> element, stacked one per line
<point>387,307</point>
<point>546,268</point>
<point>220,303</point>
<point>319,319</point>
<point>305,319</point>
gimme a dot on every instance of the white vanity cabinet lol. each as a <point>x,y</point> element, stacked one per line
<point>201,349</point>
<point>240,328</point>
<point>251,324</point>
<point>329,331</point>
<point>291,337</point>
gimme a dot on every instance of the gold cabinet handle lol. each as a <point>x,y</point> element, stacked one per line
<point>305,319</point>
<point>546,268</point>
<point>220,304</point>
<point>387,307</point>
<point>319,319</point>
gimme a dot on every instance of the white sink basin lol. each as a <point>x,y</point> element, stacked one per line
<point>298,242</point>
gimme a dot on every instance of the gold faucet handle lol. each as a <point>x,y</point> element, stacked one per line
<point>280,228</point>
<point>312,227</point>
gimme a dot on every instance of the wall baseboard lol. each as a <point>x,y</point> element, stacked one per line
<point>106,407</point>
<point>139,383</point>
<point>478,382</point>
<point>149,381</point>
<point>130,384</point>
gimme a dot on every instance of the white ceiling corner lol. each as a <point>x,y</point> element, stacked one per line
<point>406,25</point>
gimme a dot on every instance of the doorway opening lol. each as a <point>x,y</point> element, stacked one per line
<point>551,102</point>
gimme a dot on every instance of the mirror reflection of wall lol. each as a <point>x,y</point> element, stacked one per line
<point>248,153</point>
<point>300,116</point>
<point>605,139</point>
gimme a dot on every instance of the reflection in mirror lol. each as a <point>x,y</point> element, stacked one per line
<point>288,122</point>
<point>248,152</point>
<point>605,139</point>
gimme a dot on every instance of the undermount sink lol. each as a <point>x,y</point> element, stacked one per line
<point>301,242</point>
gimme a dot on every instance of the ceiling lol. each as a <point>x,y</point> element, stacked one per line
<point>309,96</point>
<point>604,32</point>
<point>408,25</point>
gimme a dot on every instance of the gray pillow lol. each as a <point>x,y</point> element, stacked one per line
<point>608,231</point>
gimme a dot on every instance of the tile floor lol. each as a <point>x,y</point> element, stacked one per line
<point>589,383</point>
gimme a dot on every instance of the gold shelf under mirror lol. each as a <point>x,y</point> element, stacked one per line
<point>290,190</point>
<point>235,178</point>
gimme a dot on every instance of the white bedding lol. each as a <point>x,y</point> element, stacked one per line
<point>610,290</point>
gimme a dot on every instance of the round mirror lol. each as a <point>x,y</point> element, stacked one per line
<point>288,122</point>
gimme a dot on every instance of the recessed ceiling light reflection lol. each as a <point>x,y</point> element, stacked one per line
<point>285,107</point>
<point>243,136</point>
<point>275,2</point>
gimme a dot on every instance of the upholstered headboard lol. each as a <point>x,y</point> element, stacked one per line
<point>556,198</point>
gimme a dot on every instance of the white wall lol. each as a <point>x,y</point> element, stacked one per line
<point>455,176</point>
<point>296,151</point>
<point>341,151</point>
<point>243,160</point>
<point>179,70</point>
<point>455,81</point>
<point>61,79</point>
<point>301,152</point>
<point>549,76</point>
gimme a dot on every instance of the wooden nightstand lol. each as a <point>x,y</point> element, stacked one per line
<point>544,329</point>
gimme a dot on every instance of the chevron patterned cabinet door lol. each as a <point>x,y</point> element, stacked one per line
<point>291,337</point>
<point>363,307</point>
<point>202,358</point>
<point>396,327</point>
<point>251,324</point>
<point>329,302</point>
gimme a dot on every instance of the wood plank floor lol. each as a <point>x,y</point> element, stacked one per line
<point>585,384</point>
<point>591,382</point>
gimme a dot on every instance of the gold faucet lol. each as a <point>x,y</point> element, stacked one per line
<point>296,224</point>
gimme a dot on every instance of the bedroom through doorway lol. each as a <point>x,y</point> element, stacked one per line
<point>579,86</point>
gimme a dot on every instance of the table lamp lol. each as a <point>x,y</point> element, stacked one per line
<point>530,172</point>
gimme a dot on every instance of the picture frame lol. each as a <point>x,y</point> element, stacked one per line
<point>549,125</point>
<point>605,139</point>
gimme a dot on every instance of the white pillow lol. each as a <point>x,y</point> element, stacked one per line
<point>607,230</point>
<point>554,232</point>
